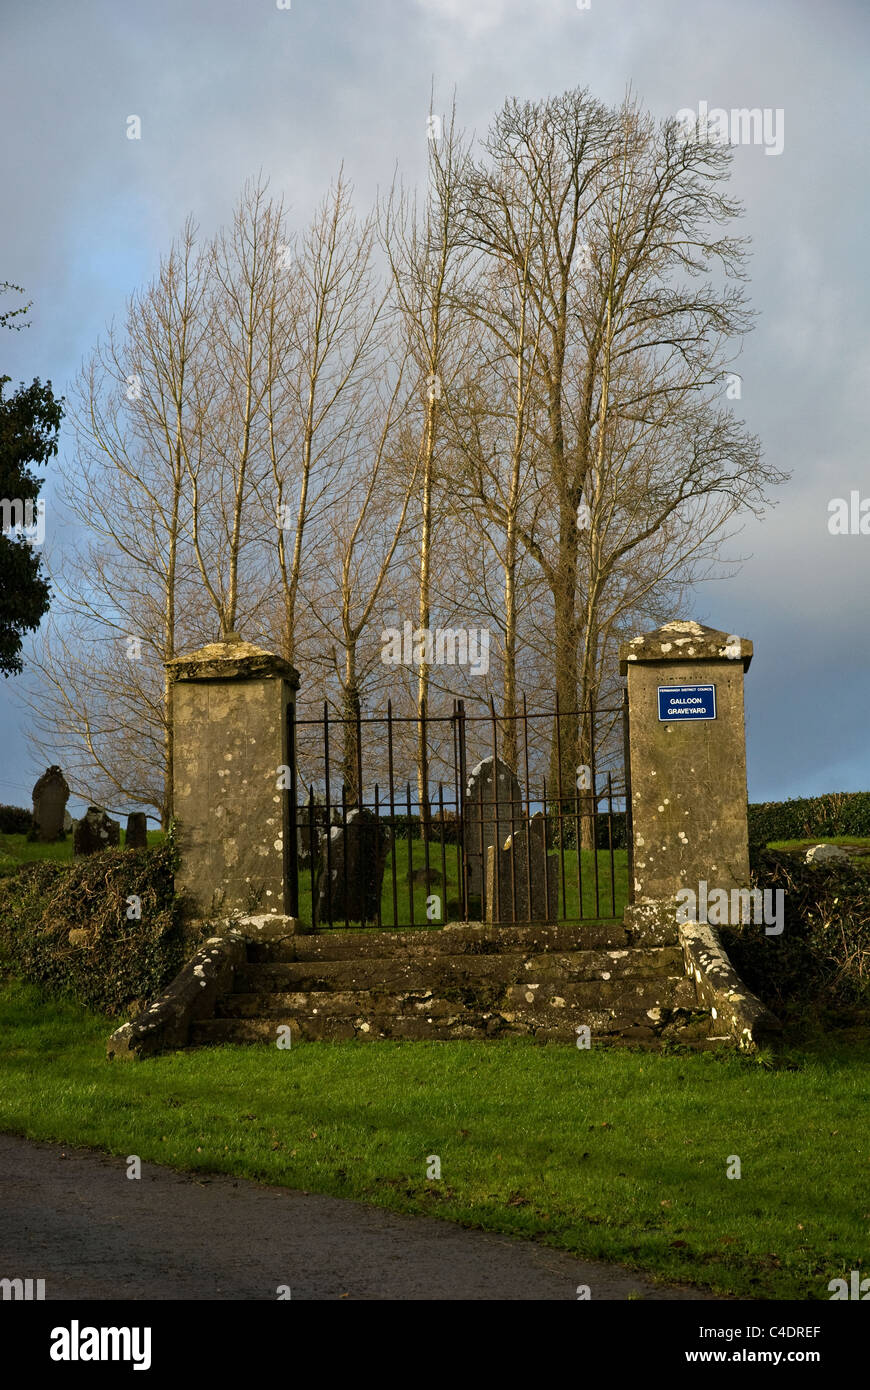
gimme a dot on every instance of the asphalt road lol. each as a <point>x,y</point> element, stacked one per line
<point>73,1218</point>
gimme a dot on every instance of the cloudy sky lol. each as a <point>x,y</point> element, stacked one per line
<point>225,88</point>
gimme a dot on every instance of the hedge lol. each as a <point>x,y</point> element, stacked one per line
<point>112,960</point>
<point>821,961</point>
<point>14,820</point>
<point>803,818</point>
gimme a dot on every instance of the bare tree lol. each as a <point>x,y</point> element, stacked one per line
<point>356,554</point>
<point>102,695</point>
<point>228,534</point>
<point>428,258</point>
<point>622,248</point>
<point>323,353</point>
<point>492,437</point>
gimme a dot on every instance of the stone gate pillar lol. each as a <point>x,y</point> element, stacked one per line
<point>229,707</point>
<point>688,759</point>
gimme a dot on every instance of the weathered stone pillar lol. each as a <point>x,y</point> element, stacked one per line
<point>688,759</point>
<point>229,714</point>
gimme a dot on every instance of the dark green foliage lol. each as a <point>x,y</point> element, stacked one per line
<point>834,813</point>
<point>29,423</point>
<point>820,964</point>
<point>15,820</point>
<point>122,959</point>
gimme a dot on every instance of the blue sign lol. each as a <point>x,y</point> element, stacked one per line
<point>683,702</point>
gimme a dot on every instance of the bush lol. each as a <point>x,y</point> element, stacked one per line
<point>115,960</point>
<point>821,961</point>
<point>14,820</point>
<point>803,818</point>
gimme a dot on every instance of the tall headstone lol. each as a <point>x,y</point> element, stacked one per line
<point>493,810</point>
<point>687,758</point>
<point>230,703</point>
<point>352,870</point>
<point>136,834</point>
<point>50,795</point>
<point>94,832</point>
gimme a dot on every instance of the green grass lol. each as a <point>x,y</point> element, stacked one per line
<point>616,1155</point>
<point>16,850</point>
<point>411,900</point>
<point>857,840</point>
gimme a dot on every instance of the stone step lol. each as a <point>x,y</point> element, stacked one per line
<point>340,1004</point>
<point>591,1002</point>
<point>669,992</point>
<point>339,1028</point>
<point>440,970</point>
<point>441,1020</point>
<point>462,939</point>
<point>263,983</point>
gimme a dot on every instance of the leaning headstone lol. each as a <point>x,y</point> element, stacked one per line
<point>50,796</point>
<point>493,810</point>
<point>527,888</point>
<point>68,822</point>
<point>94,832</point>
<point>352,870</point>
<point>136,835</point>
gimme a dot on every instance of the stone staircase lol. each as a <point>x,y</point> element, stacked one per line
<point>463,981</point>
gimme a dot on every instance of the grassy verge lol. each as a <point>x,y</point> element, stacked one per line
<point>16,850</point>
<point>857,840</point>
<point>411,898</point>
<point>615,1155</point>
<point>606,901</point>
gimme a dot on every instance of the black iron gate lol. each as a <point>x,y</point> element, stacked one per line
<point>371,848</point>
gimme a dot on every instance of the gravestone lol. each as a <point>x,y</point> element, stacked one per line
<point>94,832</point>
<point>527,888</point>
<point>352,870</point>
<point>136,836</point>
<point>493,809</point>
<point>50,796</point>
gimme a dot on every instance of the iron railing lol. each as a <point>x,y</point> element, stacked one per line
<point>370,849</point>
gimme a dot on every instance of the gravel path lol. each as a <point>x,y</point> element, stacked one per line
<point>73,1218</point>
